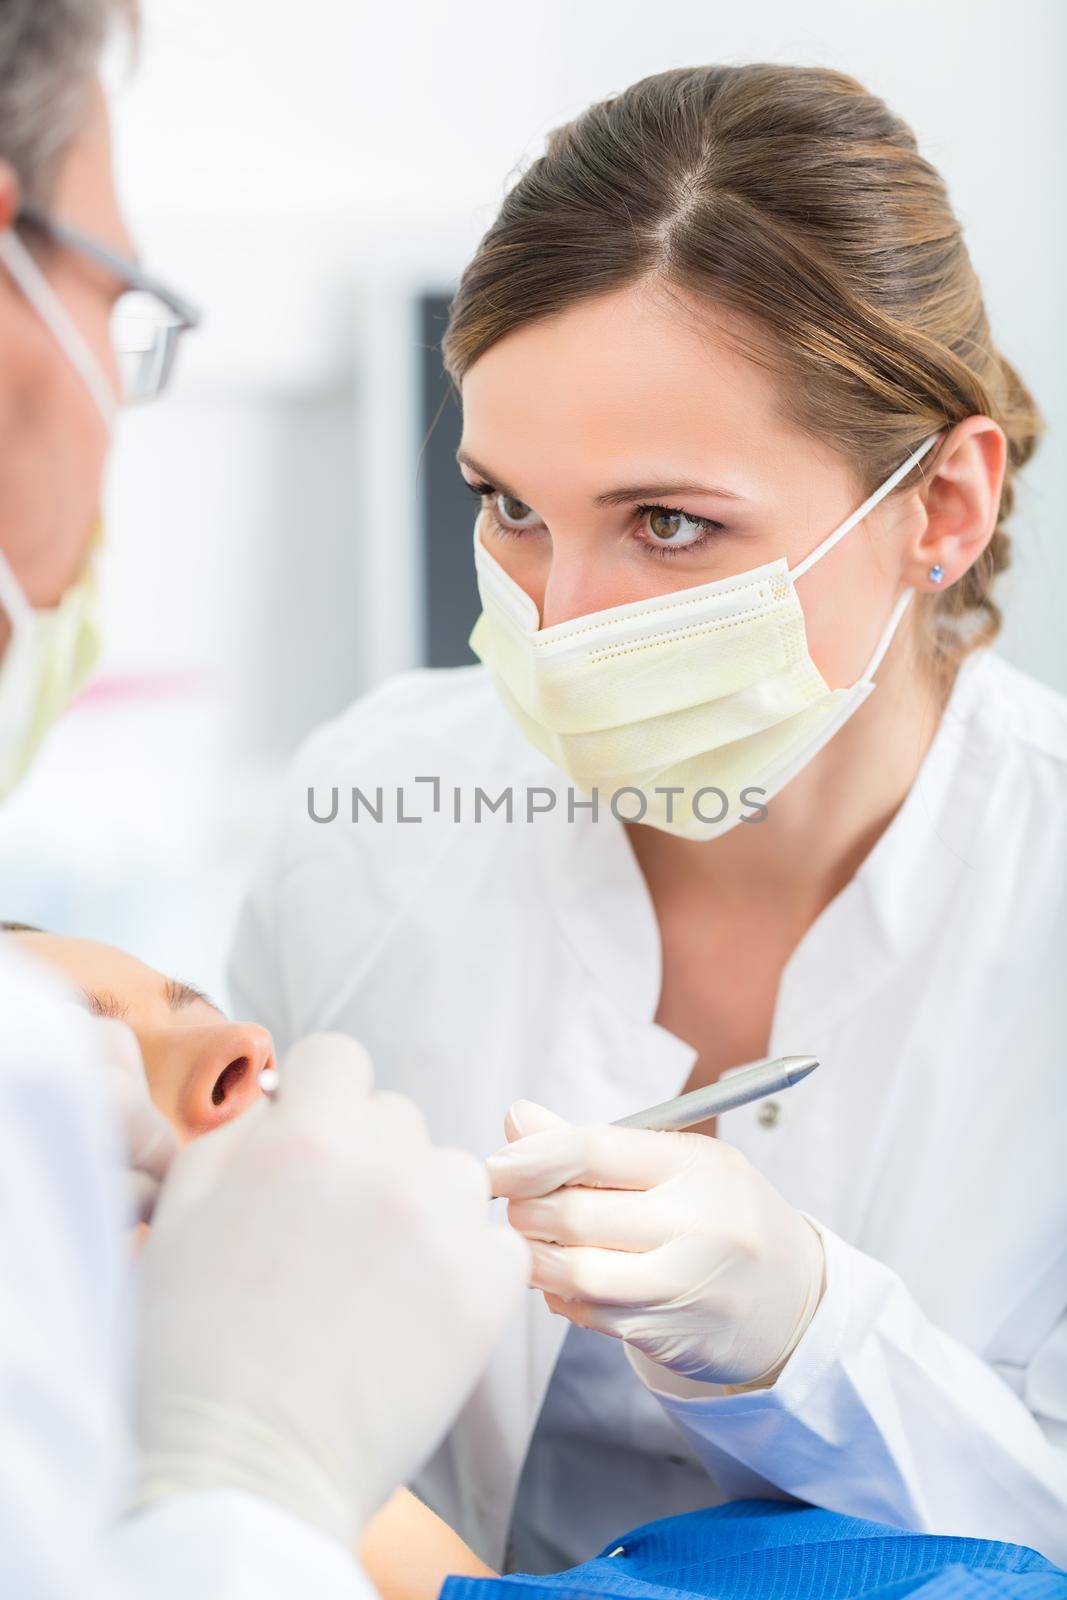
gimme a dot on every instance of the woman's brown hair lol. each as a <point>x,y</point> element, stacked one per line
<point>794,197</point>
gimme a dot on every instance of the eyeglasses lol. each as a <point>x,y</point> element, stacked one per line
<point>147,319</point>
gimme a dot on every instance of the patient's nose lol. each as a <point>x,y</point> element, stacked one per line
<point>224,1080</point>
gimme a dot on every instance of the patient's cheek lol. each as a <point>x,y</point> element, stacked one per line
<point>182,1132</point>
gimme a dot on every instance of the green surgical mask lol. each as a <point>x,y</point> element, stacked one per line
<point>50,652</point>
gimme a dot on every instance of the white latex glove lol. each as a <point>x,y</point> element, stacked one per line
<point>320,1290</point>
<point>671,1242</point>
<point>148,1140</point>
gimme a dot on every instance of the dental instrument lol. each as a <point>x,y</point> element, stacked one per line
<point>739,1089</point>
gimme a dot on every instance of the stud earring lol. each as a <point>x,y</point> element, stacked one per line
<point>937,572</point>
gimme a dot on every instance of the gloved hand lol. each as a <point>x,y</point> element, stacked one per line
<point>148,1140</point>
<point>672,1242</point>
<point>320,1289</point>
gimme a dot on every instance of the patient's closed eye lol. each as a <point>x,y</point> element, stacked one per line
<point>106,1004</point>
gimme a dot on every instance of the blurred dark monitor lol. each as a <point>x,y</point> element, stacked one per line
<point>446,509</point>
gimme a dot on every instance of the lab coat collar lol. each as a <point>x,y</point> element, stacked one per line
<point>901,886</point>
<point>943,804</point>
<point>605,912</point>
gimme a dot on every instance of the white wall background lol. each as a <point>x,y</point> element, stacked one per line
<point>299,170</point>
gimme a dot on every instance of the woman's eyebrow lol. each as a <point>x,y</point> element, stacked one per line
<point>483,472</point>
<point>654,491</point>
<point>613,497</point>
<point>180,995</point>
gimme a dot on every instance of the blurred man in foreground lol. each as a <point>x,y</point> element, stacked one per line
<point>280,1377</point>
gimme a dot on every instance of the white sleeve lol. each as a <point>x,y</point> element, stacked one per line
<point>879,1414</point>
<point>64,1456</point>
<point>228,1545</point>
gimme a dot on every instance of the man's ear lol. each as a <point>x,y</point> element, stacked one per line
<point>10,195</point>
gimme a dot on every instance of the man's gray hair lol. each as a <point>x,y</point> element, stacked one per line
<point>49,50</point>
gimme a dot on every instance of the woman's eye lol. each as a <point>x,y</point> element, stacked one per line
<point>514,513</point>
<point>673,528</point>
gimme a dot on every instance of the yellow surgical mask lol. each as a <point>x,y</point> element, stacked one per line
<point>50,652</point>
<point>701,704</point>
<point>48,658</point>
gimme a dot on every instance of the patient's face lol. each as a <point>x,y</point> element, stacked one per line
<point>201,1069</point>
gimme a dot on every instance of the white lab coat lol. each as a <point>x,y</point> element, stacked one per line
<point>483,961</point>
<point>63,1347</point>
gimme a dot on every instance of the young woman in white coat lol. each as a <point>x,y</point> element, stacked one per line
<point>721,313</point>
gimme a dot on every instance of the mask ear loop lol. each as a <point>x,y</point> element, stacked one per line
<point>868,505</point>
<point>54,314</point>
<point>12,598</point>
<point>886,638</point>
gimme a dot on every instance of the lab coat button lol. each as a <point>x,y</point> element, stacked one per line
<point>768,1114</point>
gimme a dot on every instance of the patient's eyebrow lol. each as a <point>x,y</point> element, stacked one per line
<point>180,995</point>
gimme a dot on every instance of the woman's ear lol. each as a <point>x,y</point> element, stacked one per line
<point>10,195</point>
<point>961,500</point>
